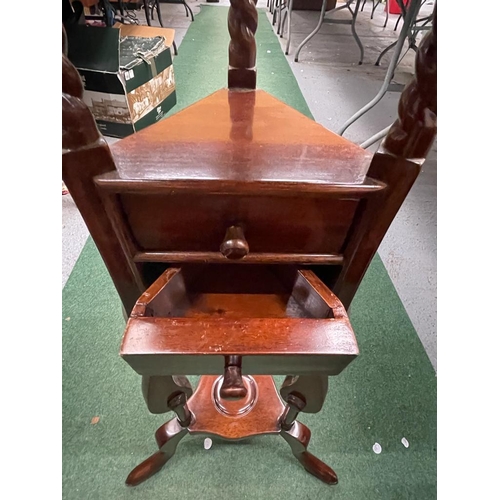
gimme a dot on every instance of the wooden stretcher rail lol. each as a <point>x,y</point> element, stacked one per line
<point>252,258</point>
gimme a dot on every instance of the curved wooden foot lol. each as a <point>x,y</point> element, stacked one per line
<point>298,438</point>
<point>317,468</point>
<point>168,437</point>
<point>146,469</point>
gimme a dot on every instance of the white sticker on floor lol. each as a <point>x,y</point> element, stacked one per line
<point>207,444</point>
<point>405,442</point>
<point>377,448</point>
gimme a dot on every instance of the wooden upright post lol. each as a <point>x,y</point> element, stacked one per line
<point>397,164</point>
<point>242,25</point>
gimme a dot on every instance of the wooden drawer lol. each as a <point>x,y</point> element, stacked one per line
<point>198,222</point>
<point>281,320</point>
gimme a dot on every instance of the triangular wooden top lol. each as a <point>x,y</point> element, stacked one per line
<point>240,138</point>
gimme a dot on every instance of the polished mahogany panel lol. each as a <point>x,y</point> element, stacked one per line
<point>271,224</point>
<point>236,137</point>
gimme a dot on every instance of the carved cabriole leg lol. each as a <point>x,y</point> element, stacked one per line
<point>158,391</point>
<point>168,437</point>
<point>242,25</point>
<point>298,437</point>
<point>170,434</point>
<point>262,414</point>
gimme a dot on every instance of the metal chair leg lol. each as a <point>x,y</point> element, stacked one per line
<point>146,11</point>
<point>397,22</point>
<point>289,27</point>
<point>282,29</point>
<point>158,11</point>
<point>188,9</point>
<point>280,9</point>
<point>169,435</point>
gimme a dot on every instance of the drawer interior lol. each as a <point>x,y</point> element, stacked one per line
<point>235,291</point>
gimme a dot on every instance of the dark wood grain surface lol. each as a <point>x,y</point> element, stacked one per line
<point>259,421</point>
<point>270,224</point>
<point>184,148</point>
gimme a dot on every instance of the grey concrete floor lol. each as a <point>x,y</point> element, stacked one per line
<point>335,87</point>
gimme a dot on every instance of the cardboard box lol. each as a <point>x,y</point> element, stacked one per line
<point>127,73</point>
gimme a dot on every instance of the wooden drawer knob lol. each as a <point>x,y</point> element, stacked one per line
<point>234,246</point>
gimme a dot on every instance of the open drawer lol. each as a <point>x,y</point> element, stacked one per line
<point>281,320</point>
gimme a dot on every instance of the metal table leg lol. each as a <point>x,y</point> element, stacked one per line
<point>353,29</point>
<point>322,20</point>
<point>386,17</point>
<point>374,138</point>
<point>408,32</point>
<point>408,23</point>
<point>374,7</point>
<point>389,47</point>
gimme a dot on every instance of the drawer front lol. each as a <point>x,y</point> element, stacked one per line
<point>289,323</point>
<point>198,223</point>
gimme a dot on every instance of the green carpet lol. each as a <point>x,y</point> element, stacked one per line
<point>386,394</point>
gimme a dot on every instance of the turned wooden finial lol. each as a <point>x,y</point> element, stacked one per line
<point>242,25</point>
<point>412,135</point>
